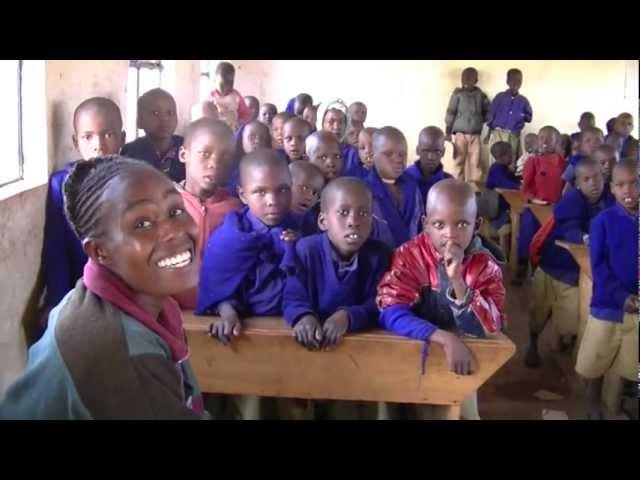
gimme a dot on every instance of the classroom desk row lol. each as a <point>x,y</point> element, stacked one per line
<point>374,365</point>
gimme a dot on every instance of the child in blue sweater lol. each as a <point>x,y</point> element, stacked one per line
<point>610,340</point>
<point>333,290</point>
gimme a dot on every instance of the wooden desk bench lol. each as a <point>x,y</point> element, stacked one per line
<point>517,204</point>
<point>541,212</point>
<point>375,365</point>
<point>585,281</point>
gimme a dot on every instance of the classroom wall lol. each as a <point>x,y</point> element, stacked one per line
<point>413,94</point>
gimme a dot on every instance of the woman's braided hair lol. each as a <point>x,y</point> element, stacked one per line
<point>83,189</point>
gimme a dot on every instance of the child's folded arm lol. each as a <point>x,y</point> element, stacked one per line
<point>487,298</point>
<point>362,316</point>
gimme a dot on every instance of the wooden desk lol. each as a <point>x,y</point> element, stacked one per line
<point>585,281</point>
<point>541,212</point>
<point>375,365</point>
<point>517,203</point>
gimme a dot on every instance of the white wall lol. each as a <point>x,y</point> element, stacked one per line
<point>413,94</point>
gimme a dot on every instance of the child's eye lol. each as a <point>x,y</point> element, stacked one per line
<point>364,213</point>
<point>463,224</point>
<point>175,212</point>
<point>438,225</point>
<point>87,137</point>
<point>108,135</point>
<point>155,113</point>
<point>143,224</point>
<point>284,189</point>
<point>343,212</point>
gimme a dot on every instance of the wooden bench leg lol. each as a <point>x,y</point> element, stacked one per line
<point>513,254</point>
<point>452,412</point>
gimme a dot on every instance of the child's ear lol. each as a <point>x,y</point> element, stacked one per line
<point>423,222</point>
<point>182,153</point>
<point>322,222</point>
<point>95,251</point>
<point>74,139</point>
<point>241,194</point>
<point>124,139</point>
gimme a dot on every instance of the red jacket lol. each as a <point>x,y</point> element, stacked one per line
<point>416,265</point>
<point>542,177</point>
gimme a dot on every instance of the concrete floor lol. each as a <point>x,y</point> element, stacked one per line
<point>510,393</point>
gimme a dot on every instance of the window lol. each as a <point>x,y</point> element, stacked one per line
<point>144,75</point>
<point>207,71</point>
<point>23,126</point>
<point>631,79</point>
<point>11,121</point>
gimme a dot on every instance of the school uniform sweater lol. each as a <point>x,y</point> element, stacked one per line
<point>169,164</point>
<point>323,284</point>
<point>426,182</point>
<point>572,216</point>
<point>245,263</point>
<point>613,248</point>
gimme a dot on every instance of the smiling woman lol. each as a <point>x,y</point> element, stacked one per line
<point>115,345</point>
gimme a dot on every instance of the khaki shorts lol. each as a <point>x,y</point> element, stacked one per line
<point>609,346</point>
<point>551,298</point>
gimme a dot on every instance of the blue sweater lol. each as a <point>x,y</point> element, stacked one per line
<point>62,255</point>
<point>316,287</point>
<point>352,165</point>
<point>170,164</point>
<point>425,183</point>
<point>245,263</point>
<point>613,246</point>
<point>392,225</point>
<point>573,214</point>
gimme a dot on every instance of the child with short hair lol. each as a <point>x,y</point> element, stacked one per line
<point>466,114</point>
<point>351,137</point>
<point>204,109</point>
<point>501,176</point>
<point>115,347</point>
<point>610,340</point>
<point>357,115</point>
<point>541,184</point>
<point>255,135</point>
<point>508,113</point>
<point>365,147</point>
<point>310,115</point>
<point>623,128</point>
<point>267,112</point>
<point>307,183</point>
<point>590,139</point>
<point>97,131</point>
<point>587,120</point>
<point>445,283</point>
<point>245,261</point>
<point>530,149</point>
<point>397,201</point>
<point>334,120</point>
<point>231,106</point>
<point>332,292</point>
<point>294,133</point>
<point>607,157</point>
<point>253,104</point>
<point>428,169</point>
<point>323,151</point>
<point>157,116</point>
<point>207,153</point>
<point>554,287</point>
<point>277,125</point>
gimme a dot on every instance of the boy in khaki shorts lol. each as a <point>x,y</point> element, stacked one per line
<point>610,340</point>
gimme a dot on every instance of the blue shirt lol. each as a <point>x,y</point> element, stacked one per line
<point>573,214</point>
<point>323,284</point>
<point>170,164</point>
<point>509,113</point>
<point>63,257</point>
<point>426,182</point>
<point>613,247</point>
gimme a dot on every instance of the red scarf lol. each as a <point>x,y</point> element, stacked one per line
<point>101,281</point>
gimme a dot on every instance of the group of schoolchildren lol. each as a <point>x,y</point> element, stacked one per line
<point>255,212</point>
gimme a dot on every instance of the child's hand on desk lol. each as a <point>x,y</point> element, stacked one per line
<point>631,304</point>
<point>334,328</point>
<point>227,325</point>
<point>308,332</point>
<point>289,235</point>
<point>459,357</point>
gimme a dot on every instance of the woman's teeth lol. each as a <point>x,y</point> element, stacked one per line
<point>177,261</point>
